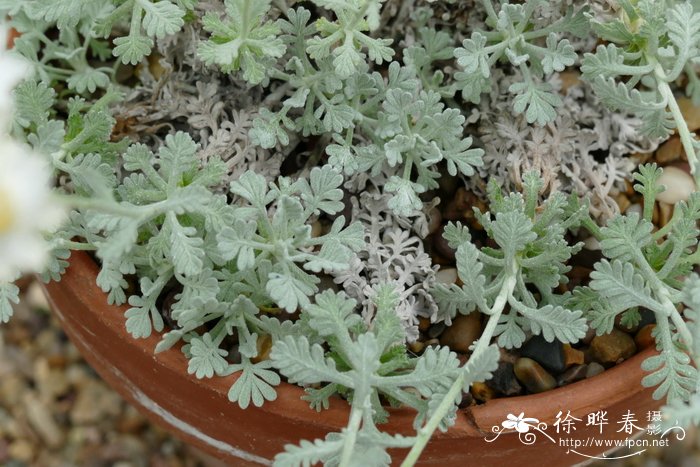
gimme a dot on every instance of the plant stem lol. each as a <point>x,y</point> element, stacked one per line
<point>425,433</point>
<point>683,131</point>
<point>352,429</point>
<point>75,246</point>
<point>490,10</point>
<point>104,206</point>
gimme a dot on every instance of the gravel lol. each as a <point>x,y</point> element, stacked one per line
<point>55,411</point>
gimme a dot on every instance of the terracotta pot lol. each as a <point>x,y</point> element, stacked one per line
<point>199,412</point>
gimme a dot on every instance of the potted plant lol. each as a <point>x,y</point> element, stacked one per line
<point>339,196</point>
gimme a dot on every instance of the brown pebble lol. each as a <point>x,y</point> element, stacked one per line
<point>690,112</point>
<point>613,347</point>
<point>131,420</point>
<point>670,151</point>
<point>57,361</point>
<point>264,345</point>
<point>482,392</point>
<point>572,356</point>
<point>434,220</point>
<point>665,214</point>
<point>423,324</point>
<point>508,356</point>
<point>569,79</point>
<point>432,343</point>
<point>624,328</point>
<point>316,229</point>
<point>459,207</point>
<point>22,450</point>
<point>644,339</point>
<point>465,329</point>
<point>533,376</point>
<point>590,334</point>
<point>623,202</point>
<point>416,347</point>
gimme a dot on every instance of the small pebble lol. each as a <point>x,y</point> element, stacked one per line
<point>42,421</point>
<point>648,317</point>
<point>316,229</point>
<point>22,450</point>
<point>482,392</point>
<point>36,298</point>
<point>643,339</point>
<point>569,79</point>
<point>434,220</point>
<point>665,213</point>
<point>95,401</point>
<point>51,382</point>
<point>690,112</point>
<point>628,328</point>
<point>635,208</point>
<point>679,185</point>
<point>432,343</point>
<point>446,276</point>
<point>423,324</point>
<point>436,330</point>
<point>131,420</point>
<point>573,374</point>
<point>594,369</point>
<point>591,244</point>
<point>264,346</point>
<point>465,329</point>
<point>504,380</point>
<point>508,355</point>
<point>670,151</point>
<point>613,347</point>
<point>590,334</point>
<point>535,378</point>
<point>11,389</point>
<point>572,356</point>
<point>548,354</point>
<point>459,207</point>
<point>442,248</point>
<point>623,202</point>
<point>416,347</point>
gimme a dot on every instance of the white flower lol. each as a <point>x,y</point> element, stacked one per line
<point>27,210</point>
<point>13,71</point>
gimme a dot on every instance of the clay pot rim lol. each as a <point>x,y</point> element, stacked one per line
<point>618,383</point>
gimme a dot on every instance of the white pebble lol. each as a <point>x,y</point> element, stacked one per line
<point>446,276</point>
<point>591,243</point>
<point>634,208</point>
<point>679,185</point>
